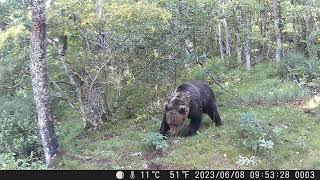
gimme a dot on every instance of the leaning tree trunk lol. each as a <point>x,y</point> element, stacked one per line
<point>275,5</point>
<point>39,76</point>
<point>89,94</point>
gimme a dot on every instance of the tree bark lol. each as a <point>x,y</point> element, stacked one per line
<point>239,47</point>
<point>89,94</point>
<point>264,19</point>
<point>318,23</point>
<point>248,43</point>
<point>248,52</point>
<point>99,9</point>
<point>40,80</point>
<point>307,19</point>
<point>228,49</point>
<point>220,42</point>
<point>275,4</point>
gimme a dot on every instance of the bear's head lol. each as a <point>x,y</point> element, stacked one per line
<point>177,110</point>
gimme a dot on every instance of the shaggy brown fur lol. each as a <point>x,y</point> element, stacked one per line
<point>189,100</point>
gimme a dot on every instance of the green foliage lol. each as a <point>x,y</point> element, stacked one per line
<point>256,136</point>
<point>272,91</point>
<point>299,68</point>
<point>18,132</point>
<point>8,161</point>
<point>156,141</point>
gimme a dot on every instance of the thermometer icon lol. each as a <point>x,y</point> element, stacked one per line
<point>132,176</point>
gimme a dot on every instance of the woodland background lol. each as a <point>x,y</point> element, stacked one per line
<point>102,70</point>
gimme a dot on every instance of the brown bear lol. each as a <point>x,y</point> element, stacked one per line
<point>189,100</point>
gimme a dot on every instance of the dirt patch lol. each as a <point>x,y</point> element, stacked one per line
<point>149,155</point>
<point>156,166</point>
<point>108,136</point>
<point>298,103</point>
<point>91,159</point>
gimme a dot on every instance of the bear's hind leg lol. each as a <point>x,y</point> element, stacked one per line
<point>214,114</point>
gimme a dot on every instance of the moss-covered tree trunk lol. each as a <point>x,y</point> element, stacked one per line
<point>39,75</point>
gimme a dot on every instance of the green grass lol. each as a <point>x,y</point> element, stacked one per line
<point>120,143</point>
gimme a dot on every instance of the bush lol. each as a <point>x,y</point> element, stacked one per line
<point>19,136</point>
<point>8,161</point>
<point>156,141</point>
<point>296,66</point>
<point>256,136</point>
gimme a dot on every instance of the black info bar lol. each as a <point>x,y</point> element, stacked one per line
<point>164,174</point>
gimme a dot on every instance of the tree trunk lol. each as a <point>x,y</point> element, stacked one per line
<point>307,20</point>
<point>318,23</point>
<point>40,80</point>
<point>228,49</point>
<point>248,52</point>
<point>239,48</point>
<point>89,96</point>
<point>275,5</point>
<point>264,19</point>
<point>248,43</point>
<point>237,13</point>
<point>216,37</point>
<point>99,9</point>
<point>220,42</point>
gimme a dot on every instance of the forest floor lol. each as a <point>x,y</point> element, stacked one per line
<point>275,103</point>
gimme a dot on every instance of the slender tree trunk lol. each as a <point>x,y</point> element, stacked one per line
<point>248,43</point>
<point>318,23</point>
<point>40,80</point>
<point>220,42</point>
<point>264,19</point>
<point>307,19</point>
<point>239,47</point>
<point>216,37</point>
<point>99,9</point>
<point>228,49</point>
<point>275,5</point>
<point>248,52</point>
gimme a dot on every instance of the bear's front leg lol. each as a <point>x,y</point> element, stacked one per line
<point>164,126</point>
<point>194,126</point>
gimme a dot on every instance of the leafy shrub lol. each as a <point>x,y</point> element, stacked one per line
<point>156,141</point>
<point>18,131</point>
<point>256,136</point>
<point>297,66</point>
<point>8,161</point>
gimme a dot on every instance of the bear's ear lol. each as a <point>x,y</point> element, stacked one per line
<point>184,110</point>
